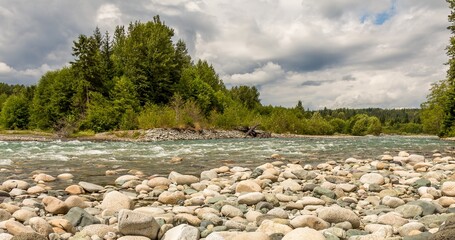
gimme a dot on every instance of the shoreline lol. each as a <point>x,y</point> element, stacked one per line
<point>398,196</point>
<point>162,134</point>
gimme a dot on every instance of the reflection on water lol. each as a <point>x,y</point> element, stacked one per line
<point>89,160</point>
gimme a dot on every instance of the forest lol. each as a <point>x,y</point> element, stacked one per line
<point>138,78</point>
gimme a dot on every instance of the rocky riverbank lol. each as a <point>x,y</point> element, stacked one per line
<point>150,135</point>
<point>402,196</point>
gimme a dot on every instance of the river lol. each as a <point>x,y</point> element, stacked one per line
<point>88,161</point>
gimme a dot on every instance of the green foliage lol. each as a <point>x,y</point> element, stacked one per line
<point>234,115</point>
<point>338,125</point>
<point>154,116</point>
<point>362,124</point>
<point>432,113</point>
<point>101,114</point>
<point>53,99</point>
<point>140,78</point>
<point>248,96</point>
<point>15,112</point>
<point>447,128</point>
<point>319,126</point>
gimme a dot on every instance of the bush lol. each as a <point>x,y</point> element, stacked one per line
<point>15,112</point>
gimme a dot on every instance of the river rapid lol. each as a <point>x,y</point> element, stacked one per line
<point>88,161</point>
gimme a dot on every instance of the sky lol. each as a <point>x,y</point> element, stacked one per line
<point>349,53</point>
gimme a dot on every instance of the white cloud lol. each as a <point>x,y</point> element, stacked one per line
<point>4,68</point>
<point>108,16</point>
<point>265,74</point>
<point>326,53</point>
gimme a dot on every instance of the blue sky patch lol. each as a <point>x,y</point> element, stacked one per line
<point>382,17</point>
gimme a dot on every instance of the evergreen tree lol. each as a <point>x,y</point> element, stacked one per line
<point>449,107</point>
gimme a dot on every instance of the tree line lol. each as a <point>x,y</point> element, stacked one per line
<point>139,78</point>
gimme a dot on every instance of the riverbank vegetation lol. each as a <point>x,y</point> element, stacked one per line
<point>140,79</point>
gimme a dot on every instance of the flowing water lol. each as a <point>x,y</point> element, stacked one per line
<point>88,161</point>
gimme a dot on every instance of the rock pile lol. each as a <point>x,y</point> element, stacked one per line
<point>393,197</point>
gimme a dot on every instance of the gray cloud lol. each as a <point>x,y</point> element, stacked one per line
<point>277,45</point>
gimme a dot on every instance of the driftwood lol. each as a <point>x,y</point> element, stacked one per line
<point>252,132</point>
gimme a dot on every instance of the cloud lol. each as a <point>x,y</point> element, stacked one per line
<point>327,53</point>
<point>265,74</point>
<point>5,68</point>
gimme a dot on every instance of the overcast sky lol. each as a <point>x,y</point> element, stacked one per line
<point>326,53</point>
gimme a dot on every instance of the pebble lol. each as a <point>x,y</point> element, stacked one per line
<point>392,197</point>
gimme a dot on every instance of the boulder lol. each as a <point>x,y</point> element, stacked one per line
<point>251,198</point>
<point>136,223</point>
<point>182,232</point>
<point>372,178</point>
<point>97,229</point>
<point>8,185</point>
<point>303,234</point>
<point>40,225</point>
<point>448,189</point>
<point>337,214</point>
<point>181,179</point>
<point>24,215</point>
<point>237,236</point>
<point>55,205</point>
<point>309,221</point>
<point>115,201</point>
<point>171,197</point>
<point>247,186</point>
<point>158,181</point>
<point>90,187</point>
<point>78,217</point>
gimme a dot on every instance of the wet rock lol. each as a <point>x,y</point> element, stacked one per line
<point>181,179</point>
<point>158,181</point>
<point>42,177</point>
<point>8,185</point>
<point>209,175</point>
<point>65,176</point>
<point>90,187</point>
<point>74,190</point>
<point>124,179</point>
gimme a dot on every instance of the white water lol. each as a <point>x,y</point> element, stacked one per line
<point>90,160</point>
